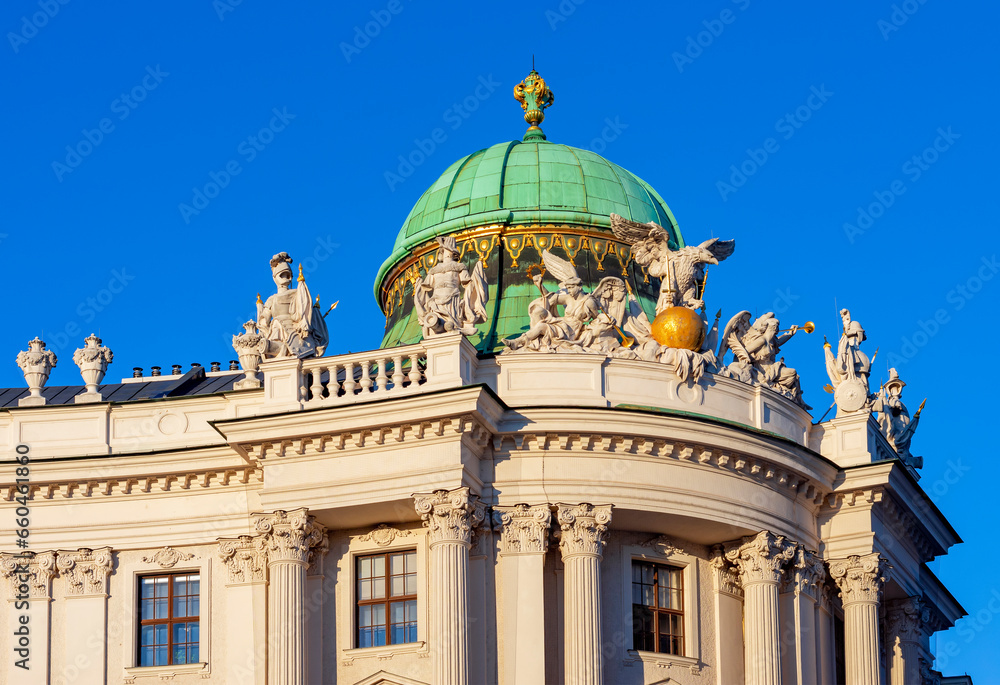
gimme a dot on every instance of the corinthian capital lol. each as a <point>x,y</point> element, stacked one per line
<point>290,536</point>
<point>859,577</point>
<point>450,515</point>
<point>583,528</point>
<point>523,529</point>
<point>28,577</point>
<point>807,573</point>
<point>245,557</point>
<point>86,570</point>
<point>759,558</point>
<point>906,618</point>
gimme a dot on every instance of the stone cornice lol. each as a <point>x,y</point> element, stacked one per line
<point>903,525</point>
<point>450,515</point>
<point>523,529</point>
<point>626,444</point>
<point>583,529</point>
<point>40,569</point>
<point>85,570</point>
<point>859,578</point>
<point>760,558</point>
<point>184,481</point>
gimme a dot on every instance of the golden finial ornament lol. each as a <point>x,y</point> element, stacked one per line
<point>302,279</point>
<point>534,97</point>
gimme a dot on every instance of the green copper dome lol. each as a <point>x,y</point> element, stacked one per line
<point>519,183</point>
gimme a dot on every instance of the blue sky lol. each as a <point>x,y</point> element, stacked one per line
<point>772,123</point>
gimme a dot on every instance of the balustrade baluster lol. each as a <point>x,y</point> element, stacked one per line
<point>317,383</point>
<point>397,371</point>
<point>366,376</point>
<point>414,369</point>
<point>382,379</point>
<point>350,385</point>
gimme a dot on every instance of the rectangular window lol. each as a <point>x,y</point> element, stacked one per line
<point>169,606</point>
<point>657,608</point>
<point>386,599</point>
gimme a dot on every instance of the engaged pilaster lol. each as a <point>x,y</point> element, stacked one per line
<point>583,532</point>
<point>450,517</point>
<point>28,592</point>
<point>860,580</point>
<point>800,596</point>
<point>86,571</point>
<point>245,559</point>
<point>290,538</point>
<point>524,539</point>
<point>905,619</point>
<point>759,560</point>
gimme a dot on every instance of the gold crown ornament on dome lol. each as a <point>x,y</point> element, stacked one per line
<point>534,97</point>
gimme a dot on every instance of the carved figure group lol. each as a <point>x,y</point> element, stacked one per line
<point>439,300</point>
<point>755,347</point>
<point>682,271</point>
<point>289,321</point>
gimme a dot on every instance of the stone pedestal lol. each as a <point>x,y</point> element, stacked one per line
<point>582,535</point>
<point>450,517</point>
<point>290,538</point>
<point>759,561</point>
<point>905,619</point>
<point>524,539</point>
<point>860,581</point>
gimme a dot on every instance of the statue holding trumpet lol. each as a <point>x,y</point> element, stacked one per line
<point>755,347</point>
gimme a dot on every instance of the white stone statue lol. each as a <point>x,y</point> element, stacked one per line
<point>894,419</point>
<point>93,359</point>
<point>438,299</point>
<point>681,271</point>
<point>248,346</point>
<point>36,363</point>
<point>292,325</point>
<point>849,369</point>
<point>755,347</point>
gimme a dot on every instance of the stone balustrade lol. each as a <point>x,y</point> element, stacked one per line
<point>363,376</point>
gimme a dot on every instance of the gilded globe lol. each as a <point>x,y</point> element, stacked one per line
<point>679,327</point>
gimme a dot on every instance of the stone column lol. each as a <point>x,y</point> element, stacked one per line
<point>86,573</point>
<point>524,539</point>
<point>29,593</point>
<point>245,558</point>
<point>582,535</point>
<point>290,538</point>
<point>450,516</point>
<point>804,583</point>
<point>860,581</point>
<point>905,619</point>
<point>759,560</point>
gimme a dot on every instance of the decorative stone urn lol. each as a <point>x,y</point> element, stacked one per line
<point>248,348</point>
<point>93,359</point>
<point>36,362</point>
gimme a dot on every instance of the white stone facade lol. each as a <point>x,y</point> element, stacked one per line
<point>528,488</point>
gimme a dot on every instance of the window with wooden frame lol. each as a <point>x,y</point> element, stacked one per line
<point>386,597</point>
<point>657,608</point>
<point>169,607</point>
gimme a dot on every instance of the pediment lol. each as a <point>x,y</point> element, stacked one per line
<point>385,678</point>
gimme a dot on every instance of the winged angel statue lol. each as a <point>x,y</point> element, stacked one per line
<point>438,299</point>
<point>755,347</point>
<point>681,270</point>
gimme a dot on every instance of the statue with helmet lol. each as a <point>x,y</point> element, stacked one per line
<point>289,322</point>
<point>438,297</point>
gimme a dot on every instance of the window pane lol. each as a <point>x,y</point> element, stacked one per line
<point>398,586</point>
<point>397,564</point>
<point>160,586</point>
<point>180,654</point>
<point>379,636</point>
<point>647,574</point>
<point>146,636</point>
<point>365,590</point>
<point>146,587</point>
<point>194,606</point>
<point>180,607</point>
<point>378,586</point>
<point>146,657</point>
<point>194,632</point>
<point>648,598</point>
<point>364,616</point>
<point>161,656</point>
<point>378,566</point>
<point>160,610</point>
<point>642,628</point>
<point>411,584</point>
<point>193,653</point>
<point>180,585</point>
<point>146,609</point>
<point>397,612</point>
<point>194,584</point>
<point>411,562</point>
<point>378,614</point>
<point>365,567</point>
<point>180,633</point>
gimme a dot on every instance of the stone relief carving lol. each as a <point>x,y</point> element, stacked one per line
<point>894,419</point>
<point>726,579</point>
<point>40,569</point>
<point>438,297</point>
<point>450,516</point>
<point>290,322</point>
<point>86,570</point>
<point>665,545</point>
<point>849,368</point>
<point>384,534</point>
<point>168,557</point>
<point>755,348</point>
<point>523,528</point>
<point>859,578</point>
<point>583,528</point>
<point>93,359</point>
<point>245,557</point>
<point>906,618</point>
<point>36,364</point>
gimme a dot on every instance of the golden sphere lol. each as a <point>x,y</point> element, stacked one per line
<point>679,327</point>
